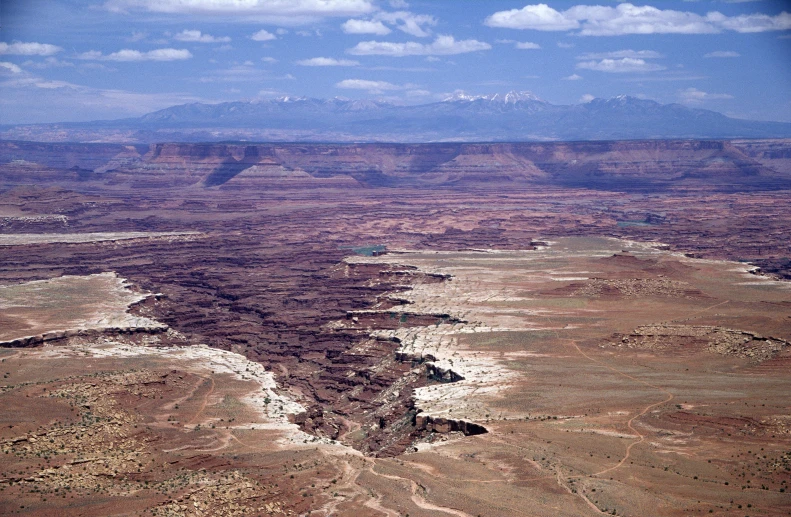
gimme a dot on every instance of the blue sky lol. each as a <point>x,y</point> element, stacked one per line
<point>76,60</point>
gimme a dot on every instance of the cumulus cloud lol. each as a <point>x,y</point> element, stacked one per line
<point>29,49</point>
<point>695,96</point>
<point>539,17</point>
<point>722,53</point>
<point>28,98</point>
<point>369,86</point>
<point>195,36</point>
<point>586,98</point>
<point>327,61</point>
<point>443,45</point>
<point>626,64</point>
<point>286,12</point>
<point>263,35</point>
<point>50,62</point>
<point>572,77</point>
<point>632,19</point>
<point>10,67</point>
<point>752,22</point>
<point>365,27</point>
<point>626,18</point>
<point>522,45</point>
<point>160,54</point>
<point>620,54</point>
<point>413,24</point>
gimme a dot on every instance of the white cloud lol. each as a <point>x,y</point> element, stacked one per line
<point>670,75</point>
<point>365,27</point>
<point>237,73</point>
<point>522,45</point>
<point>284,12</point>
<point>370,86</point>
<point>626,18</point>
<point>626,64</point>
<point>268,59</point>
<point>270,93</point>
<point>632,19</point>
<point>572,77</point>
<point>695,96</point>
<point>50,62</point>
<point>402,68</point>
<point>29,49</point>
<point>586,98</point>
<point>31,99</point>
<point>11,67</point>
<point>160,54</point>
<point>137,36</point>
<point>753,22</point>
<point>263,35</point>
<point>327,61</point>
<point>562,44</point>
<point>620,54</point>
<point>537,17</point>
<point>722,53</point>
<point>442,46</point>
<point>410,23</point>
<point>195,36</point>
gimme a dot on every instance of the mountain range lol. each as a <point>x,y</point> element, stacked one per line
<point>514,116</point>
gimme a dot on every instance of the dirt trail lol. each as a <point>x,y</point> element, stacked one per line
<point>629,424</point>
<point>696,313</point>
<point>578,493</point>
<point>648,408</point>
<point>418,499</point>
<point>204,403</point>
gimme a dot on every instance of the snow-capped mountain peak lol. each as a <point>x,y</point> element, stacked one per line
<point>509,98</point>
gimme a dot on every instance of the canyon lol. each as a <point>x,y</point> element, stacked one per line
<point>558,328</point>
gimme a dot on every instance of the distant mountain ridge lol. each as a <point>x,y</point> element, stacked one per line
<point>513,116</point>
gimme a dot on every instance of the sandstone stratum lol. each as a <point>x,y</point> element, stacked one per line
<point>499,329</point>
<point>620,165</point>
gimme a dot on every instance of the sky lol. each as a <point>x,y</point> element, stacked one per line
<point>79,60</point>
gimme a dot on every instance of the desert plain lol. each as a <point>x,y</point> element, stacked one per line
<point>438,329</point>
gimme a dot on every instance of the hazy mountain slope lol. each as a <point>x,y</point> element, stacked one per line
<point>516,116</point>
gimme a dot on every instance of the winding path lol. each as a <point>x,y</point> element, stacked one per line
<point>205,401</point>
<point>630,423</point>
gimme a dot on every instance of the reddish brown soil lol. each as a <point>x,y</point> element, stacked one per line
<point>265,276</point>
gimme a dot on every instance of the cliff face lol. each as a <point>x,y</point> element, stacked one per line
<point>619,165</point>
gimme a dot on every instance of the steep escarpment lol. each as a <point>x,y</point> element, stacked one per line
<point>609,165</point>
<point>64,155</point>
